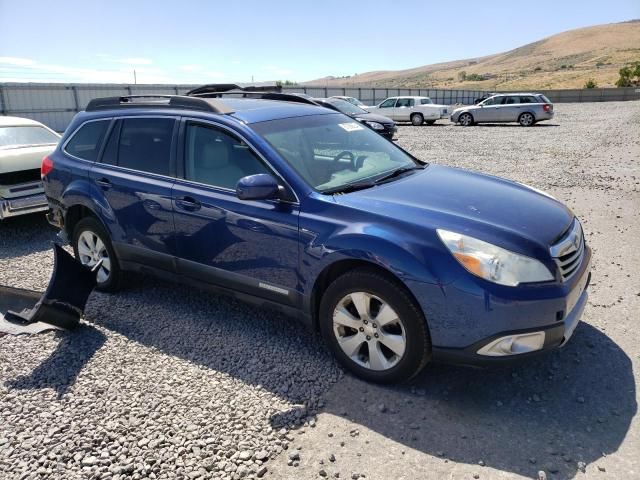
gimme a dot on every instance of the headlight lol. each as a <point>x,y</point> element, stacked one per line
<point>493,263</point>
<point>375,125</point>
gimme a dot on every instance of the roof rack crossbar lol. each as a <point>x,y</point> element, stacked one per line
<point>174,101</point>
<point>264,95</point>
<point>225,87</point>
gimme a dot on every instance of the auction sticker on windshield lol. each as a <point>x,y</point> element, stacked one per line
<point>351,126</point>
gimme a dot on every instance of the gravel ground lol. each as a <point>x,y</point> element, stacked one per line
<point>165,382</point>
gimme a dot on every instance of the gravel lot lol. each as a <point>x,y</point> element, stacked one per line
<point>165,382</point>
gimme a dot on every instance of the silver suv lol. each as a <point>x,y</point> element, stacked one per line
<point>524,108</point>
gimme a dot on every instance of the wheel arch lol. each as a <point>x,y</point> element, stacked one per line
<point>80,199</point>
<point>338,268</point>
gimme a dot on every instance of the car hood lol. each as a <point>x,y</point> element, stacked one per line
<point>374,118</point>
<point>486,207</point>
<point>23,158</point>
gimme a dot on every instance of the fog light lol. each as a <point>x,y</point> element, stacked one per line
<point>514,345</point>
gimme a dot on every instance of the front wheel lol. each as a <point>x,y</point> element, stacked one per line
<point>91,244</point>
<point>374,327</point>
<point>466,120</point>
<point>526,119</point>
<point>417,119</point>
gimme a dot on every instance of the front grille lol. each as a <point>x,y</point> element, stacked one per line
<point>569,251</point>
<point>23,176</point>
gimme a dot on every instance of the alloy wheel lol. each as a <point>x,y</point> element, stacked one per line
<point>91,250</point>
<point>465,120</point>
<point>526,119</point>
<point>369,331</point>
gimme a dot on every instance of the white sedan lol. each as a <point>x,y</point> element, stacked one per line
<point>417,110</point>
<point>23,144</point>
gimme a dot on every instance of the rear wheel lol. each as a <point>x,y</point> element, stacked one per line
<point>466,120</point>
<point>526,119</point>
<point>91,244</point>
<point>417,119</point>
<point>374,327</point>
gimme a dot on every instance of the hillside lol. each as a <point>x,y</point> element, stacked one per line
<point>565,60</point>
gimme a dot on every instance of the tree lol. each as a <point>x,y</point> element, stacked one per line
<point>591,83</point>
<point>629,75</point>
<point>462,76</point>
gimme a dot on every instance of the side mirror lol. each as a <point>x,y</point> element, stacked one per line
<point>257,187</point>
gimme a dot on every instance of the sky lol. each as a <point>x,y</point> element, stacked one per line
<point>198,41</point>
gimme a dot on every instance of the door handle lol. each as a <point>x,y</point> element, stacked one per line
<point>188,203</point>
<point>104,183</point>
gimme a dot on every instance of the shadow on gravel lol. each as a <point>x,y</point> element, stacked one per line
<point>574,405</point>
<point>512,125</point>
<point>25,235</point>
<point>65,363</point>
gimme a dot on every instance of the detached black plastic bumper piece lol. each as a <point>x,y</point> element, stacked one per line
<point>62,304</point>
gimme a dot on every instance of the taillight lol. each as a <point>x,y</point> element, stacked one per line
<point>546,107</point>
<point>46,167</point>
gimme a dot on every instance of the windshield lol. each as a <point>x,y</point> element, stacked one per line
<point>21,136</point>
<point>345,107</point>
<point>332,151</point>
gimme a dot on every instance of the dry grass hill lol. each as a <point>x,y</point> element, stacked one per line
<point>565,60</point>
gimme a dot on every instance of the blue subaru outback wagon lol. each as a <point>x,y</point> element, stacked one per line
<point>278,201</point>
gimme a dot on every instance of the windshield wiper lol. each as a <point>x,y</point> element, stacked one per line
<point>396,173</point>
<point>349,187</point>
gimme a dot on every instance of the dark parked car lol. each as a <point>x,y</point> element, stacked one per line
<point>381,124</point>
<point>395,261</point>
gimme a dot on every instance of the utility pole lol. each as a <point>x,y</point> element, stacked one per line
<point>135,80</point>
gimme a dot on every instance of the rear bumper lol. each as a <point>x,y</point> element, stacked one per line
<point>23,205</point>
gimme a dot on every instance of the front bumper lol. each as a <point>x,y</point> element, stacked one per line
<point>555,336</point>
<point>469,314</point>
<point>389,132</point>
<point>12,207</point>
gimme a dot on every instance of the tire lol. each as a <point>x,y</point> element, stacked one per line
<point>405,327</point>
<point>430,122</point>
<point>417,119</point>
<point>526,119</point>
<point>465,119</point>
<point>91,242</point>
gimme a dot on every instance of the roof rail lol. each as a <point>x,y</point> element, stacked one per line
<point>158,101</point>
<point>263,92</point>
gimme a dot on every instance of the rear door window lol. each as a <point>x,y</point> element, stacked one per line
<point>145,145</point>
<point>405,102</point>
<point>511,100</point>
<point>86,142</point>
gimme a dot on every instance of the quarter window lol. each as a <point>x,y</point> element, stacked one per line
<point>86,142</point>
<point>214,157</point>
<point>145,144</point>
